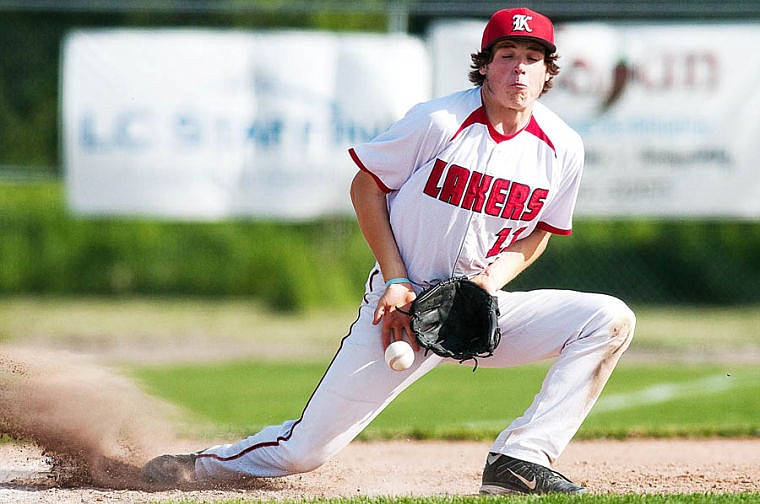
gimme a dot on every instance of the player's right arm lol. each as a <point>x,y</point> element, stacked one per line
<point>371,208</point>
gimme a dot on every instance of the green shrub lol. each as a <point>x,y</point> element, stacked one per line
<point>297,266</point>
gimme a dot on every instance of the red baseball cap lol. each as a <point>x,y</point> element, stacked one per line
<point>520,23</point>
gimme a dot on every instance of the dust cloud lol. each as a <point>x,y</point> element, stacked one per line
<point>96,426</point>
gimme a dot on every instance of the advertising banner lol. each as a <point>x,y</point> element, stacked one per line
<point>669,113</point>
<point>195,124</point>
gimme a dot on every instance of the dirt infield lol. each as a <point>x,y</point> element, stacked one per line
<point>451,468</point>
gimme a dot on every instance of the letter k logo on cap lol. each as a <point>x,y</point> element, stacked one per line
<point>520,22</point>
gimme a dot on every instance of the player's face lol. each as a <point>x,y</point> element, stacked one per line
<point>516,75</point>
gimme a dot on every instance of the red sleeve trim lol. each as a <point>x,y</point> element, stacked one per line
<point>553,230</point>
<point>363,168</point>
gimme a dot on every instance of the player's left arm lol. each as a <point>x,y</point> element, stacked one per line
<point>513,261</point>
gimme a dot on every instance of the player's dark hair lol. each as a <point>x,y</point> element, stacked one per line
<point>484,57</point>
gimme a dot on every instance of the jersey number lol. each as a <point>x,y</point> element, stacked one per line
<point>502,237</point>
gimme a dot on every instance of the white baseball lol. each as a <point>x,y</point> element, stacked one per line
<point>399,355</point>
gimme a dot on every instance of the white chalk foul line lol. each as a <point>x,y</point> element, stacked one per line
<point>664,392</point>
<point>660,393</point>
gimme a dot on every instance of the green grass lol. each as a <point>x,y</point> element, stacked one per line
<point>454,403</point>
<point>703,333</point>
<point>100,322</point>
<point>241,397</point>
<point>697,329</point>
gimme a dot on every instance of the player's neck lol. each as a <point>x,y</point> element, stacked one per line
<point>506,120</point>
<point>509,124</point>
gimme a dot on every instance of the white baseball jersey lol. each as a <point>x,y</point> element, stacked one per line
<point>460,193</point>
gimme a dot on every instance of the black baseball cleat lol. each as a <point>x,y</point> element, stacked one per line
<point>507,475</point>
<point>170,470</point>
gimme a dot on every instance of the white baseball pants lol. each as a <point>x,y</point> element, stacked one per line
<point>587,333</point>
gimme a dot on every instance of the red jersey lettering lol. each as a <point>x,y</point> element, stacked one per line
<point>477,192</point>
<point>431,188</point>
<point>497,197</point>
<point>518,195</point>
<point>455,184</point>
<point>535,204</point>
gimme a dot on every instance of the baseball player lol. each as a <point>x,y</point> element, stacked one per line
<point>475,184</point>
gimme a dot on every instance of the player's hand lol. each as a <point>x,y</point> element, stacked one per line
<point>486,281</point>
<point>395,324</point>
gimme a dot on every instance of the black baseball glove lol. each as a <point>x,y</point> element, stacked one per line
<point>456,319</point>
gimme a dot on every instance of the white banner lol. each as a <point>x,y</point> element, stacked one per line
<point>670,114</point>
<point>209,124</point>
